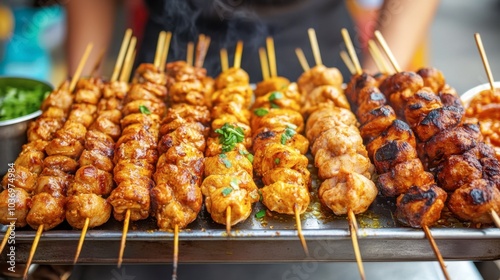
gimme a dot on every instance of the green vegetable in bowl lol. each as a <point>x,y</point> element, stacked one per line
<point>18,102</point>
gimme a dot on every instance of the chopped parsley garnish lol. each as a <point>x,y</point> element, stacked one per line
<point>226,191</point>
<point>275,95</point>
<point>17,102</point>
<point>224,159</point>
<point>260,214</point>
<point>288,134</point>
<point>260,112</point>
<point>250,158</point>
<point>235,184</point>
<point>243,152</point>
<point>144,110</point>
<point>276,161</point>
<point>229,136</point>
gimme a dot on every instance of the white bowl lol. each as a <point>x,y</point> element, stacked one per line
<point>471,93</point>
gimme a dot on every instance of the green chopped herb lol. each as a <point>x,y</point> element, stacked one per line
<point>275,95</point>
<point>288,134</point>
<point>243,152</point>
<point>226,191</point>
<point>227,163</point>
<point>250,158</point>
<point>260,112</point>
<point>235,184</point>
<point>277,161</point>
<point>17,102</point>
<point>223,155</point>
<point>230,135</point>
<point>144,110</point>
<point>260,214</point>
<point>274,106</point>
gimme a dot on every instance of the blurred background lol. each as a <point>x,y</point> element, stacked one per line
<point>32,36</point>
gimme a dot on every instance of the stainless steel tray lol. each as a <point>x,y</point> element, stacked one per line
<point>269,239</point>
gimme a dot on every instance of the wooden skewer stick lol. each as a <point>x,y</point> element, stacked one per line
<point>494,216</point>
<point>436,251</point>
<point>189,56</point>
<point>387,50</point>
<point>176,252</point>
<point>205,51</point>
<point>315,46</point>
<point>271,56</point>
<point>129,61</point>
<point>164,53</point>
<point>82,238</point>
<point>199,48</point>
<point>348,62</point>
<point>224,61</point>
<point>302,59</point>
<point>124,237</point>
<point>121,55</point>
<point>159,48</point>
<point>264,65</point>
<point>379,59</point>
<point>79,69</point>
<point>237,54</point>
<point>350,49</point>
<point>128,70</point>
<point>5,238</point>
<point>486,64</point>
<point>353,227</point>
<point>299,230</point>
<point>228,221</point>
<point>32,251</point>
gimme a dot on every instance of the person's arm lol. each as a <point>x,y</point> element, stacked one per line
<point>404,25</point>
<point>89,21</point>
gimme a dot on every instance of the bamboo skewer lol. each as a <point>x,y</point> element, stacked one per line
<point>348,62</point>
<point>436,251</point>
<point>495,218</point>
<point>353,226</point>
<point>299,231</point>
<point>228,221</point>
<point>129,62</point>
<point>175,260</point>
<point>237,54</point>
<point>428,234</point>
<point>98,63</point>
<point>207,45</point>
<point>82,239</point>
<point>271,56</point>
<point>33,251</point>
<point>379,59</point>
<point>387,51</point>
<point>486,64</point>
<point>201,50</point>
<point>159,48</point>
<point>124,238</point>
<point>352,52</point>
<point>224,61</point>
<point>302,59</point>
<point>121,54</point>
<point>5,238</point>
<point>314,45</point>
<point>264,65</point>
<point>164,53</point>
<point>79,69</point>
<point>189,55</point>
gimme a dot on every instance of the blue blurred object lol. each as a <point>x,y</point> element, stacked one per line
<point>36,31</point>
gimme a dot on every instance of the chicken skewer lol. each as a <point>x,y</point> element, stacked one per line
<point>448,144</point>
<point>63,151</point>
<point>345,168</point>
<point>94,180</point>
<point>135,154</point>
<point>176,197</point>
<point>278,145</point>
<point>29,163</point>
<point>228,186</point>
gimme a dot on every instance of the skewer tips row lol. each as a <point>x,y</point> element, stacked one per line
<point>352,52</point>
<point>81,64</point>
<point>315,46</point>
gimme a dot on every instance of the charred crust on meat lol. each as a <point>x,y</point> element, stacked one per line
<point>266,134</point>
<point>478,196</point>
<point>416,194</point>
<point>387,152</point>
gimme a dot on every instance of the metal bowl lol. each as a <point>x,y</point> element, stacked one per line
<point>13,132</point>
